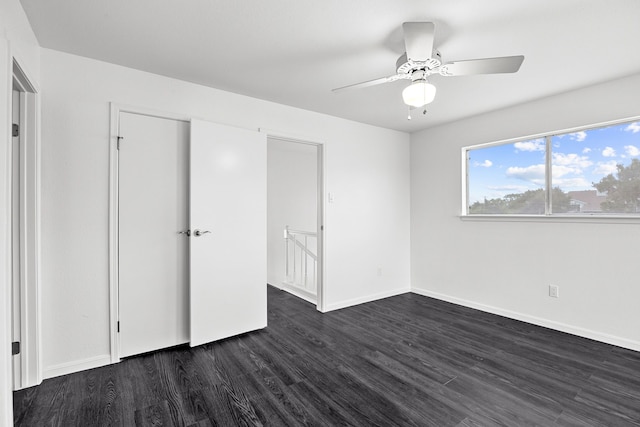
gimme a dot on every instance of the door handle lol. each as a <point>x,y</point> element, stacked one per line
<point>188,232</point>
<point>199,233</point>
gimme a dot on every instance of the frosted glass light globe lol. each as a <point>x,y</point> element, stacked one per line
<point>419,93</point>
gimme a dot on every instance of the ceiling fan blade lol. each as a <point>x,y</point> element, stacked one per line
<point>418,40</point>
<point>368,83</point>
<point>504,64</point>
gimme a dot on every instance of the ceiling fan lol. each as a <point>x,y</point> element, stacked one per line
<point>421,60</point>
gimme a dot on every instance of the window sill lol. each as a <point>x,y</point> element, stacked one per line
<point>601,219</point>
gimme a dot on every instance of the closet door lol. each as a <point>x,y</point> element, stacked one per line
<point>153,218</point>
<point>228,195</point>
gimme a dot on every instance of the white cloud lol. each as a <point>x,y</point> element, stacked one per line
<point>609,152</point>
<point>632,150</point>
<point>586,150</point>
<point>605,168</point>
<point>533,173</point>
<point>535,145</point>
<point>578,136</point>
<point>633,127</point>
<point>578,182</point>
<point>486,164</point>
<point>571,159</point>
<point>562,170</point>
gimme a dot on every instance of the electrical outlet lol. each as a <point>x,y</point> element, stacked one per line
<point>554,291</point>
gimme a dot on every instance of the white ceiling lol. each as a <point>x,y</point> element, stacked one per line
<point>294,52</point>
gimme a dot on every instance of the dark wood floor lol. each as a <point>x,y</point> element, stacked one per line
<point>405,360</point>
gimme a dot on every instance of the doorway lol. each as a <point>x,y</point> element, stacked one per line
<point>295,217</point>
<point>25,233</point>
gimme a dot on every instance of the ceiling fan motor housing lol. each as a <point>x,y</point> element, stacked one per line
<point>430,66</point>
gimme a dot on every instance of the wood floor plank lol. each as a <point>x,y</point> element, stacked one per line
<point>407,360</point>
<point>421,403</point>
<point>321,405</point>
<point>169,384</point>
<point>154,415</point>
<point>101,403</point>
<point>275,405</point>
<point>231,406</point>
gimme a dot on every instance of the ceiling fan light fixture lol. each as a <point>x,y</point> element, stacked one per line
<point>419,93</point>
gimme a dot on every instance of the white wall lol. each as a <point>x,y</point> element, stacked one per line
<point>16,40</point>
<point>506,267</point>
<point>292,177</point>
<point>367,167</point>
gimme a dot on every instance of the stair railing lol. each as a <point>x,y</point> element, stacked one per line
<point>300,259</point>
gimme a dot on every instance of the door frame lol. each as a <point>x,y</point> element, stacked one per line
<point>320,216</point>
<point>29,252</point>
<point>114,241</point>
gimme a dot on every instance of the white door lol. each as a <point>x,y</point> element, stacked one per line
<point>153,162</point>
<point>228,209</point>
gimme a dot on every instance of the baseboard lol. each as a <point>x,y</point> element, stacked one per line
<point>300,293</point>
<point>558,326</point>
<point>76,366</point>
<point>367,298</point>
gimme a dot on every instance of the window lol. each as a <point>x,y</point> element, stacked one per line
<point>594,171</point>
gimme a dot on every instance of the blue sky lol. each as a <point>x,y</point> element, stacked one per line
<point>578,160</point>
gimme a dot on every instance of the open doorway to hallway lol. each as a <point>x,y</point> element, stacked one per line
<point>294,217</point>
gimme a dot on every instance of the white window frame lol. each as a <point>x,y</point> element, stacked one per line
<point>548,216</point>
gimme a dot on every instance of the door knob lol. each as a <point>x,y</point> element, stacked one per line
<point>188,232</point>
<point>199,233</point>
